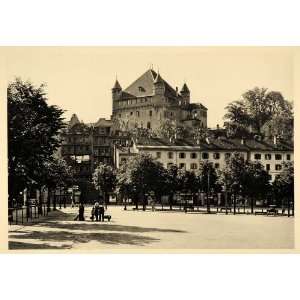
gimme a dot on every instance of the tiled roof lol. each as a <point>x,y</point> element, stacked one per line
<point>217,144</point>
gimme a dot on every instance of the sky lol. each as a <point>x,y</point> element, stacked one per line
<point>79,79</point>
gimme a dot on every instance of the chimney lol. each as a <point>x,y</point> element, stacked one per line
<point>218,127</point>
<point>176,90</point>
<point>207,140</point>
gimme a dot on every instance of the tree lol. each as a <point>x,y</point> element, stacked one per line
<point>159,185</point>
<point>123,183</point>
<point>256,181</point>
<point>143,177</point>
<point>169,130</point>
<point>198,133</point>
<point>172,183</point>
<point>255,108</point>
<point>207,179</point>
<point>33,128</point>
<point>104,179</point>
<point>283,185</point>
<point>232,176</point>
<point>57,173</point>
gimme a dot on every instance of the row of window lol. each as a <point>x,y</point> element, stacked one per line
<point>134,101</point>
<point>268,156</point>
<point>137,113</point>
<point>194,155</point>
<point>193,166</point>
<point>217,155</point>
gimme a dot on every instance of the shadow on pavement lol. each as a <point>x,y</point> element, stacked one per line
<point>65,236</point>
<point>89,226</point>
<point>20,245</point>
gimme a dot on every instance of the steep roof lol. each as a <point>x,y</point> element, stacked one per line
<point>217,144</point>
<point>146,82</point>
<point>74,120</point>
<point>158,79</point>
<point>185,89</point>
<point>117,85</point>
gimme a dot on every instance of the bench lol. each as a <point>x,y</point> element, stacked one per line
<point>272,211</point>
<point>224,208</point>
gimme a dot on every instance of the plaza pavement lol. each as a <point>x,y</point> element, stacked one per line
<point>153,230</point>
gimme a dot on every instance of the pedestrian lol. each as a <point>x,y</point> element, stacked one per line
<point>72,202</point>
<point>96,211</point>
<point>81,212</point>
<point>101,212</point>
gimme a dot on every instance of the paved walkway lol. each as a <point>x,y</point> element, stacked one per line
<point>153,230</point>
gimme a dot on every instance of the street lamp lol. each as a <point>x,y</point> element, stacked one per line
<point>208,189</point>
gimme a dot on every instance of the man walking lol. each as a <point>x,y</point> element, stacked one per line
<point>101,212</point>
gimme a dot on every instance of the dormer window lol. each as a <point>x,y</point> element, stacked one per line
<point>141,89</point>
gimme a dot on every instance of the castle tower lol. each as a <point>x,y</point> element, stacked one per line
<point>74,120</point>
<point>159,85</point>
<point>185,93</point>
<point>116,93</point>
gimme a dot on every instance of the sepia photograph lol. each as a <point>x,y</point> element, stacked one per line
<point>150,148</point>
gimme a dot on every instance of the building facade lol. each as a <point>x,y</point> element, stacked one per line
<point>85,145</point>
<point>188,154</point>
<point>149,101</point>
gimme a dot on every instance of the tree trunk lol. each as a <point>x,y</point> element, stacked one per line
<point>48,201</point>
<point>125,203</point>
<point>208,203</point>
<point>234,203</point>
<point>144,201</point>
<point>252,205</point>
<point>171,201</point>
<point>104,199</point>
<point>40,204</point>
<point>54,200</point>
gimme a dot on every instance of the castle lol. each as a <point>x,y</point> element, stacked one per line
<point>149,101</point>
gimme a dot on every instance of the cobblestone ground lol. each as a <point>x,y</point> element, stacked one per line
<point>153,230</point>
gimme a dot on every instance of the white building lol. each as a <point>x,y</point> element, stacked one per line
<point>188,154</point>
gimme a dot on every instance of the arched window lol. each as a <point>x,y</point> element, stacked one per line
<point>149,125</point>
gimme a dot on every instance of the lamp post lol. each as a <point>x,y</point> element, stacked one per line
<point>208,189</point>
<point>92,149</point>
<point>226,199</point>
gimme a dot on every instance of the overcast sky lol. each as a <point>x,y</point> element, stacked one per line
<point>80,79</point>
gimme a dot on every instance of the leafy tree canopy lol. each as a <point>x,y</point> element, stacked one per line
<point>255,108</point>
<point>33,128</point>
